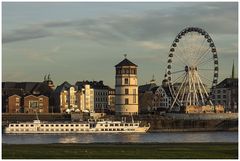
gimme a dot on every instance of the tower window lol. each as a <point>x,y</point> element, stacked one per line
<point>126,91</point>
<point>126,81</point>
<point>126,101</point>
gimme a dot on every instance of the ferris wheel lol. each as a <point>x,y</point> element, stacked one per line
<point>192,68</point>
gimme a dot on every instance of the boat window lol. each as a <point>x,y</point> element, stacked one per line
<point>31,125</point>
<point>66,125</point>
<point>71,129</point>
<point>102,129</point>
<point>26,125</point>
<point>82,129</point>
<point>46,129</point>
<point>41,125</point>
<point>52,125</point>
<point>106,125</point>
<point>17,130</point>
<point>101,124</point>
<point>77,129</point>
<point>72,125</point>
<point>56,125</point>
<point>131,124</point>
<point>82,125</point>
<point>61,125</point>
<point>121,124</point>
<point>136,124</point>
<point>11,125</point>
<point>76,125</point>
<point>27,129</point>
<point>114,129</point>
<point>46,125</point>
<point>126,124</point>
<point>62,129</point>
<point>110,129</point>
<point>106,129</point>
<point>111,124</point>
<point>16,125</point>
<point>57,130</point>
<point>52,130</point>
<point>116,124</point>
<point>66,129</point>
<point>22,125</point>
<point>86,124</point>
<point>121,129</point>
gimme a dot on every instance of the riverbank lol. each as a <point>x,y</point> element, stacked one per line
<point>122,151</point>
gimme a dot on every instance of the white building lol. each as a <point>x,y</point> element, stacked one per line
<point>126,88</point>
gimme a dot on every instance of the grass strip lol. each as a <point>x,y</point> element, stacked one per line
<point>122,151</point>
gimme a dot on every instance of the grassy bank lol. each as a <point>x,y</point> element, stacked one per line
<point>122,151</point>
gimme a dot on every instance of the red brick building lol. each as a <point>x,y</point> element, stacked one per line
<point>14,104</point>
<point>34,104</point>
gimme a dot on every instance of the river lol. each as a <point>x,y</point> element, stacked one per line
<point>164,137</point>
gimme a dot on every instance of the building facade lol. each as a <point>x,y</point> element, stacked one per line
<point>14,104</point>
<point>226,94</point>
<point>14,93</point>
<point>33,104</point>
<point>126,88</point>
<point>100,95</point>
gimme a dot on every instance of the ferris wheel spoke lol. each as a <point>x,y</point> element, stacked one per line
<point>202,45</point>
<point>202,56</point>
<point>178,71</point>
<point>205,61</point>
<point>178,92</point>
<point>182,59</point>
<point>178,78</point>
<point>206,69</point>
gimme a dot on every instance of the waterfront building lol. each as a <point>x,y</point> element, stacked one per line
<point>14,93</point>
<point>126,88</point>
<point>111,99</point>
<point>33,104</point>
<point>146,96</point>
<point>14,102</point>
<point>154,98</point>
<point>226,93</point>
<point>99,94</point>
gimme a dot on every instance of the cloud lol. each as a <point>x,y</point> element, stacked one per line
<point>151,25</point>
<point>152,45</point>
<point>24,34</point>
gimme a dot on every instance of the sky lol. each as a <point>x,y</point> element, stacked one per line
<point>85,40</point>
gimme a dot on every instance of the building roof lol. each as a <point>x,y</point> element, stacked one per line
<point>125,62</point>
<point>24,88</point>
<point>64,86</point>
<point>146,87</point>
<point>228,83</point>
<point>93,84</point>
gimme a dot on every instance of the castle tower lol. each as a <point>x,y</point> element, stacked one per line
<point>126,88</point>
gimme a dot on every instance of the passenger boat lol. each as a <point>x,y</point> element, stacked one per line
<point>90,126</point>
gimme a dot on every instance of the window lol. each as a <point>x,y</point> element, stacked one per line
<point>40,99</point>
<point>126,81</point>
<point>126,101</point>
<point>126,91</point>
<point>17,99</point>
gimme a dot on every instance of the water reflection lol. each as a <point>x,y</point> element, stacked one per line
<point>165,137</point>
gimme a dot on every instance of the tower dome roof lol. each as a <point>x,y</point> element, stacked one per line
<point>125,62</point>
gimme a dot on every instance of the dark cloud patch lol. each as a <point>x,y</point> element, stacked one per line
<point>24,34</point>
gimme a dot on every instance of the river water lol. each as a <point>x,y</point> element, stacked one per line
<point>164,137</point>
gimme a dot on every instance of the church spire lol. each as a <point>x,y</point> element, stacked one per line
<point>233,71</point>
